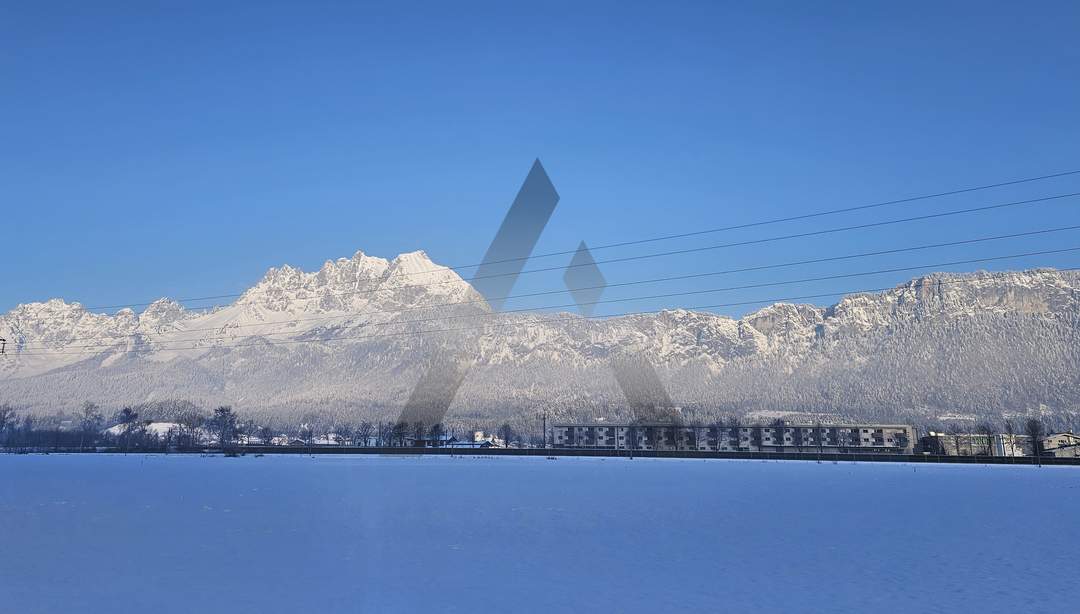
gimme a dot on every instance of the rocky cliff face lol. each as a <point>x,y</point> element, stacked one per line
<point>346,337</point>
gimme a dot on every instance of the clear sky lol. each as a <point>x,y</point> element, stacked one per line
<point>181,148</point>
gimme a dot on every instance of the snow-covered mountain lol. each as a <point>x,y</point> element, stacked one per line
<point>343,339</point>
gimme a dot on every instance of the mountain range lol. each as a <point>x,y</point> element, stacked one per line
<point>346,340</point>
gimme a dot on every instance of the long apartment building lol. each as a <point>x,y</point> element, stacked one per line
<point>975,444</point>
<point>999,444</point>
<point>847,438</point>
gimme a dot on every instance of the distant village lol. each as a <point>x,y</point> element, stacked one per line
<point>224,430</point>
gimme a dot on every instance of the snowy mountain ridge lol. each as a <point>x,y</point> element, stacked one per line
<point>922,344</point>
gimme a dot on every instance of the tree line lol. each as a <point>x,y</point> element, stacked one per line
<point>223,428</point>
<point>185,426</point>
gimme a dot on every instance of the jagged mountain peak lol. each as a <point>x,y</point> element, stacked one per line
<point>414,279</point>
<point>360,268</point>
<point>918,343</point>
<point>162,311</point>
<point>415,263</point>
<point>53,306</point>
<point>360,265</point>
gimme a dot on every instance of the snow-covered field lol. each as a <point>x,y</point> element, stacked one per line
<point>403,534</point>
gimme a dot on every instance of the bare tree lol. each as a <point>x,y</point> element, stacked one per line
<point>399,432</point>
<point>171,437</point>
<point>266,434</point>
<point>986,431</point>
<point>364,431</point>
<point>127,419</point>
<point>435,434</point>
<point>506,433</point>
<point>1033,428</point>
<point>734,431</point>
<point>901,440</point>
<point>26,430</point>
<point>7,421</point>
<point>954,431</point>
<point>7,417</point>
<point>819,438</point>
<point>223,424</point>
<point>345,432</point>
<point>307,434</point>
<point>190,421</point>
<point>242,429</point>
<point>715,433</point>
<point>89,423</point>
<point>1010,430</point>
<point>385,434</point>
<point>756,437</point>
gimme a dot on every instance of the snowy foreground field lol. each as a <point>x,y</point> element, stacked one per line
<point>403,534</point>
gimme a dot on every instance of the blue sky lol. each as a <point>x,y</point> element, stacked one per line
<point>180,149</point>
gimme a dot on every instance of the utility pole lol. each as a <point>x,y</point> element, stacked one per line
<point>543,427</point>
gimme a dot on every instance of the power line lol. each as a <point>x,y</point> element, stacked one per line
<point>816,233</point>
<point>607,301</point>
<point>621,284</point>
<point>792,218</point>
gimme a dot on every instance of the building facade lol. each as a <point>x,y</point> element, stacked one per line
<point>957,444</point>
<point>778,437</point>
<point>1061,445</point>
<point>975,444</point>
<point>1006,444</point>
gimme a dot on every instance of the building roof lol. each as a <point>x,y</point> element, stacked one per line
<point>744,426</point>
<point>468,444</point>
